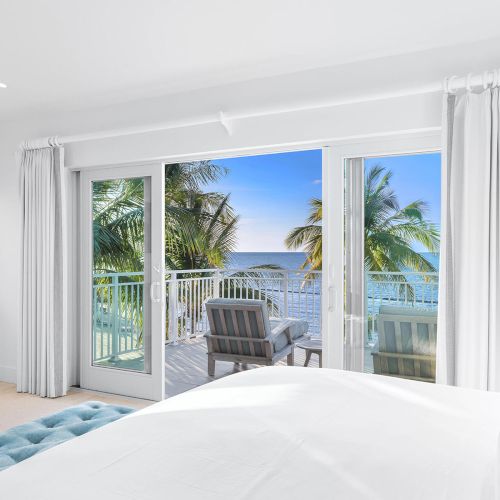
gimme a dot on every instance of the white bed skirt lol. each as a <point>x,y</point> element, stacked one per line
<point>282,433</point>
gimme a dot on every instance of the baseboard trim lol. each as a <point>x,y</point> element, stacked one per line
<point>7,374</point>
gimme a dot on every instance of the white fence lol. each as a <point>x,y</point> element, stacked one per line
<point>118,300</point>
<point>412,289</point>
<point>117,314</point>
<point>288,293</point>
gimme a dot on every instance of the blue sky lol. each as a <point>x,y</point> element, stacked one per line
<point>271,192</point>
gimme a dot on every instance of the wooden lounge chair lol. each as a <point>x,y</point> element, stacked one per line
<point>407,343</point>
<point>241,331</point>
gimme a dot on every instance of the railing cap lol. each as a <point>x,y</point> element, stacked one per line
<point>215,270</point>
<point>263,270</point>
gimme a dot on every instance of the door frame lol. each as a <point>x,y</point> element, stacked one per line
<point>334,157</point>
<point>124,382</point>
<point>334,153</point>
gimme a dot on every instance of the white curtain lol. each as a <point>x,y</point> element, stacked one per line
<point>42,358</point>
<point>468,351</point>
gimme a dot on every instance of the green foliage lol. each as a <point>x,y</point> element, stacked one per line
<point>309,236</point>
<point>390,231</point>
<point>118,225</point>
<point>200,228</point>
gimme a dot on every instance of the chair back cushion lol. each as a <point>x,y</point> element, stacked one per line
<point>239,318</point>
<point>406,332</point>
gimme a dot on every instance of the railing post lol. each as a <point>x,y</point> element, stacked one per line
<point>285,294</point>
<point>115,297</point>
<point>173,320</point>
<point>217,281</point>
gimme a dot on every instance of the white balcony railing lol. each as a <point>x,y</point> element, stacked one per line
<point>118,300</point>
<point>288,293</point>
<point>410,289</point>
<point>117,314</point>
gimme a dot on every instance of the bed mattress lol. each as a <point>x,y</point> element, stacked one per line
<point>282,433</point>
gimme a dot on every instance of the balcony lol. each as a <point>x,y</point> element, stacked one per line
<point>118,303</point>
<point>412,298</point>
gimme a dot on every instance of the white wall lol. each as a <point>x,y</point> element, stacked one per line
<point>366,118</point>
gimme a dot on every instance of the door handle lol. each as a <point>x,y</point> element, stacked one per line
<point>152,289</point>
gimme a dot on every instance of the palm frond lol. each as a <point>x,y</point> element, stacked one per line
<point>390,231</point>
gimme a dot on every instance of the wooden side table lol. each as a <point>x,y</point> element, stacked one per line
<point>312,346</point>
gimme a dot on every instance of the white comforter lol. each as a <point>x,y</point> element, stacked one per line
<point>282,433</point>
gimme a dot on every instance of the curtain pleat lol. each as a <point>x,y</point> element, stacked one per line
<point>42,343</point>
<point>468,351</point>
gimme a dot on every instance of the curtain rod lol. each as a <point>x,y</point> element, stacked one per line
<point>486,79</point>
<point>226,120</point>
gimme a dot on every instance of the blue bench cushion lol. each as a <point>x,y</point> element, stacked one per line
<point>24,441</point>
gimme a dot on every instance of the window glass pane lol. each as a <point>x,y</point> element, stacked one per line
<point>392,264</point>
<point>120,257</point>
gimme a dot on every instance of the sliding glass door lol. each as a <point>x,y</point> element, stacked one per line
<point>391,264</point>
<point>123,284</point>
<point>391,247</point>
<point>383,248</point>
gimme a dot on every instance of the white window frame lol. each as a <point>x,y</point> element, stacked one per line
<point>334,157</point>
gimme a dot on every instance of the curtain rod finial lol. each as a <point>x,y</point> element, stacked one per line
<point>448,84</point>
<point>44,142</point>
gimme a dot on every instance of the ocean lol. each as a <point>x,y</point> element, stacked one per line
<point>305,301</point>
<point>288,260</point>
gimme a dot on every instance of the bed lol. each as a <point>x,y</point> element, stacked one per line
<point>282,433</point>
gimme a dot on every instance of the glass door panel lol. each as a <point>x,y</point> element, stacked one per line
<point>391,264</point>
<point>122,280</point>
<point>121,264</point>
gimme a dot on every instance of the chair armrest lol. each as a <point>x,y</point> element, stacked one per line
<point>279,329</point>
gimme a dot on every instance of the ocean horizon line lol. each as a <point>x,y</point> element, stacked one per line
<point>287,260</point>
<point>270,251</point>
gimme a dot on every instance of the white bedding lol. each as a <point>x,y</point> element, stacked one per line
<point>282,433</point>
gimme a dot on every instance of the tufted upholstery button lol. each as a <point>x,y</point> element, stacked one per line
<point>24,441</point>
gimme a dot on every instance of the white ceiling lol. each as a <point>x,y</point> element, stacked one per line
<point>71,54</point>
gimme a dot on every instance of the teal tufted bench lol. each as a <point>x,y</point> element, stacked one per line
<point>26,440</point>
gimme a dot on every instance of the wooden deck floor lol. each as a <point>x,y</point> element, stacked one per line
<point>186,365</point>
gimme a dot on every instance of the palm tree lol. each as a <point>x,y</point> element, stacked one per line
<point>390,231</point>
<point>200,227</point>
<point>200,231</point>
<point>118,225</point>
<point>309,236</point>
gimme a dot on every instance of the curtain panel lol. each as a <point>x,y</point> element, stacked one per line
<point>468,350</point>
<point>42,346</point>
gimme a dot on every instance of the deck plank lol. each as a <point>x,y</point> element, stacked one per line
<point>186,365</point>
